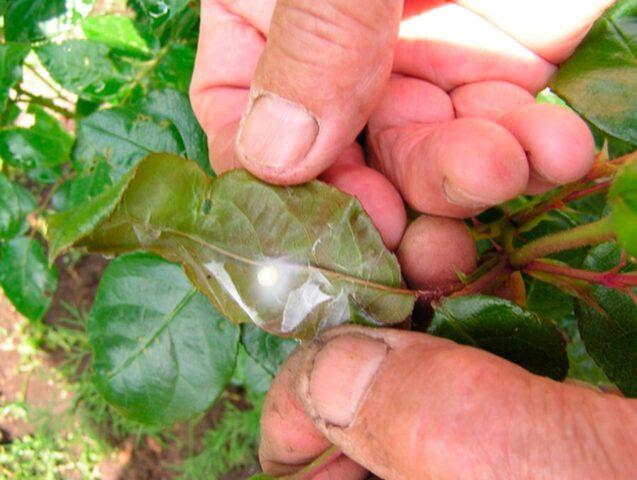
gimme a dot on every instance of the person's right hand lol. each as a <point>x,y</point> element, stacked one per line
<point>449,106</point>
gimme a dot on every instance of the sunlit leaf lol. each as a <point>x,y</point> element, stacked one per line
<point>623,198</point>
<point>83,67</point>
<point>116,32</point>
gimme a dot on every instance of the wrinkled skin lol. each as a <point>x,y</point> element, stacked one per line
<point>444,92</point>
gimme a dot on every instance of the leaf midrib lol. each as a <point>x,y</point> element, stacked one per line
<point>169,317</point>
<point>330,273</point>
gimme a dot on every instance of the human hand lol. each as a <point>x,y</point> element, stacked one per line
<point>434,102</point>
<point>405,405</point>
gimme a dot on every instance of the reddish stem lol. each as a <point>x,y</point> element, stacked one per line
<point>610,279</point>
<point>599,187</point>
<point>489,279</point>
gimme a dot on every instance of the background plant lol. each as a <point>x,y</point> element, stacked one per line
<point>98,162</point>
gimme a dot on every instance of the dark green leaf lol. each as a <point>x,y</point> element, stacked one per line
<point>600,79</point>
<point>162,122</point>
<point>11,57</point>
<point>603,257</point>
<point>33,20</point>
<point>503,328</point>
<point>83,67</point>
<point>40,150</point>
<point>553,222</point>
<point>161,351</point>
<point>609,328</point>
<point>547,300</point>
<point>266,349</point>
<point>175,68</point>
<point>581,364</point>
<point>623,198</point>
<point>250,375</point>
<point>15,204</point>
<point>289,259</point>
<point>82,188</point>
<point>116,32</point>
<point>25,277</point>
<point>173,106</point>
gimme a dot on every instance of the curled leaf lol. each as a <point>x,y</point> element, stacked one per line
<point>291,260</point>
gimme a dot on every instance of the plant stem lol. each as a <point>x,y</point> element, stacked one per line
<point>309,471</point>
<point>47,82</point>
<point>610,279</point>
<point>485,281</point>
<point>45,102</point>
<point>573,191</point>
<point>589,234</point>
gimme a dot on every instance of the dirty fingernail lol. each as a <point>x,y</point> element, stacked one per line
<point>276,132</point>
<point>342,373</point>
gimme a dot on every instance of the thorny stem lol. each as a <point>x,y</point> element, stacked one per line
<point>311,470</point>
<point>610,279</point>
<point>589,234</point>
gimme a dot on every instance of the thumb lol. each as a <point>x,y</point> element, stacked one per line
<point>320,75</point>
<point>410,406</point>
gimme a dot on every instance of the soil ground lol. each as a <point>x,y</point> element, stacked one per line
<point>42,387</point>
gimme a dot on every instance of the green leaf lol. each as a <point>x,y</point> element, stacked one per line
<point>290,259</point>
<point>162,353</point>
<point>547,300</point>
<point>173,106</point>
<point>40,150</point>
<point>32,20</point>
<point>16,203</point>
<point>175,69</point>
<point>599,81</point>
<point>116,32</point>
<point>83,67</point>
<point>504,329</point>
<point>266,349</point>
<point>82,188</point>
<point>581,364</point>
<point>162,122</point>
<point>26,279</point>
<point>69,226</point>
<point>609,328</point>
<point>11,57</point>
<point>623,198</point>
<point>553,222</point>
